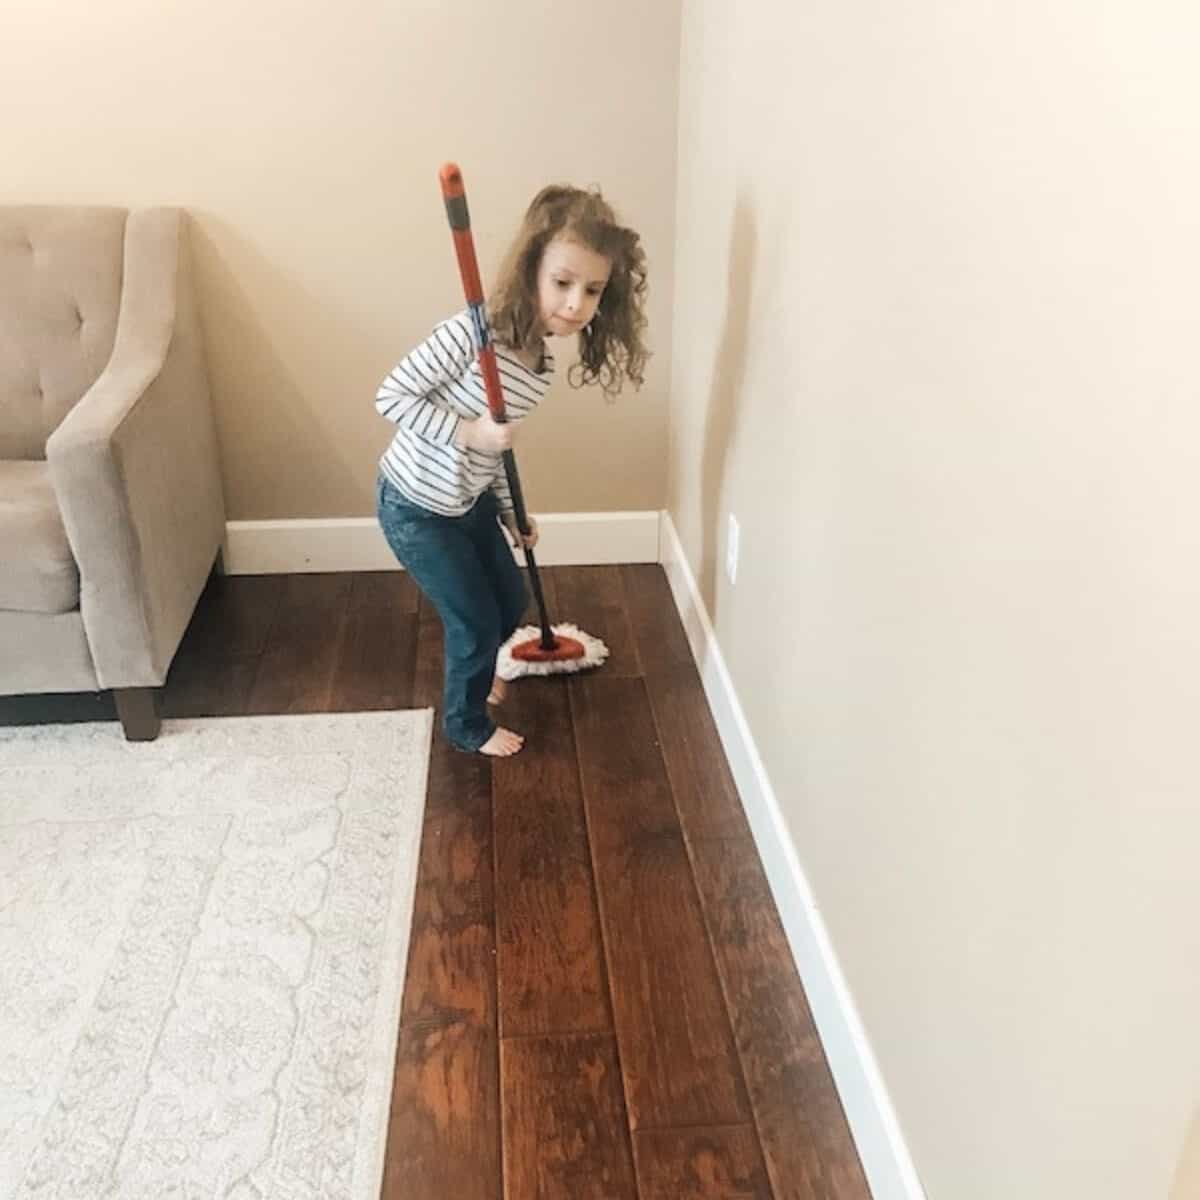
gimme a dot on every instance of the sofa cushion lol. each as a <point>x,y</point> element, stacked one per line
<point>60,292</point>
<point>37,570</point>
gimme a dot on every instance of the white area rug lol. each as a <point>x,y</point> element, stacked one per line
<point>202,951</point>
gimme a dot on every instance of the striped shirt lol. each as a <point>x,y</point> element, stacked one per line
<point>427,395</point>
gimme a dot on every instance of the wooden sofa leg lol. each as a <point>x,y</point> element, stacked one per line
<point>138,710</point>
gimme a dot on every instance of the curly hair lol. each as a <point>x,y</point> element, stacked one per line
<point>611,346</point>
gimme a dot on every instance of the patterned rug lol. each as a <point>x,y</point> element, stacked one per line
<point>202,951</point>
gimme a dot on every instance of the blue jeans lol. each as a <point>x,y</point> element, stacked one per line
<point>465,567</point>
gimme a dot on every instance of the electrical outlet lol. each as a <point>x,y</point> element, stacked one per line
<point>733,537</point>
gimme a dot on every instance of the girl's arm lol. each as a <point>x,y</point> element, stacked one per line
<point>439,361</point>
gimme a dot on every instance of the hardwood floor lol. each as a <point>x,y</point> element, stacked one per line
<point>600,1001</point>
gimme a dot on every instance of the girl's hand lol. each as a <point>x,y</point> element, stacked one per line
<point>485,434</point>
<point>530,539</point>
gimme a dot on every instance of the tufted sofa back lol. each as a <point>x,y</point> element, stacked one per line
<point>60,292</point>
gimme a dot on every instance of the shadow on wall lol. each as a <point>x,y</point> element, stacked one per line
<point>1187,1173</point>
<point>283,367</point>
<point>720,426</point>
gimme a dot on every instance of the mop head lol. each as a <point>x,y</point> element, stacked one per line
<point>573,650</point>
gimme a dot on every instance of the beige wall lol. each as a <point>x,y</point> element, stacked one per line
<point>1187,1174</point>
<point>306,137</point>
<point>936,324</point>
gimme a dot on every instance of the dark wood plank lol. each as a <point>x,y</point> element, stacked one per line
<point>457,779</point>
<point>594,599</point>
<point>217,660</point>
<point>661,642</point>
<point>444,1129</point>
<point>208,686</point>
<point>295,672</point>
<point>676,1045</point>
<point>452,948</point>
<point>551,974</point>
<point>234,615</point>
<point>392,588</point>
<point>377,652</point>
<point>700,1164</point>
<point>705,794</point>
<point>565,1135</point>
<point>452,956</point>
<point>805,1139</point>
<point>444,1133</point>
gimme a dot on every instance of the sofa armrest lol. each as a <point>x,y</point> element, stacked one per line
<point>134,466</point>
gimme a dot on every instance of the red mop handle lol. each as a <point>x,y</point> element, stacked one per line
<point>454,193</point>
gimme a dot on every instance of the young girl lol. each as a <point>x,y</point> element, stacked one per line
<point>572,270</point>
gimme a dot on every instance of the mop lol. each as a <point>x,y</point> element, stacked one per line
<point>548,650</point>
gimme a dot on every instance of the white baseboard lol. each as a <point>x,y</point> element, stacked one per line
<point>356,544</point>
<point>869,1112</point>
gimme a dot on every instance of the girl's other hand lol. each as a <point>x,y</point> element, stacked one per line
<point>530,539</point>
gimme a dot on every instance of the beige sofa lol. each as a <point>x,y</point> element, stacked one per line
<point>111,514</point>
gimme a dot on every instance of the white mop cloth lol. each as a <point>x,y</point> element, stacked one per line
<point>508,668</point>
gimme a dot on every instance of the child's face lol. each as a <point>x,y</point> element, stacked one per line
<point>571,280</point>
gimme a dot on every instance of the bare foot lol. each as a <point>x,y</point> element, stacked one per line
<point>502,744</point>
<point>498,692</point>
